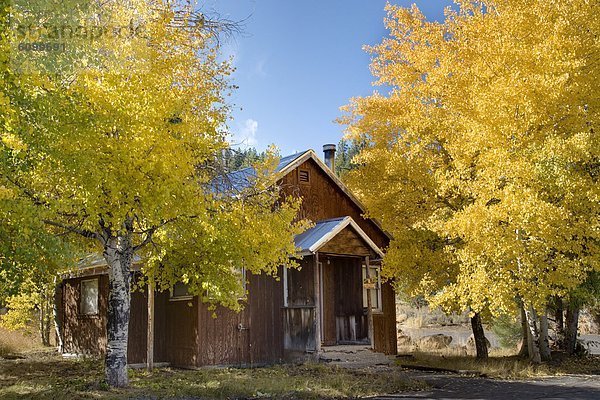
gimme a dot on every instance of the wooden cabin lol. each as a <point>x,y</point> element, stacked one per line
<point>324,303</point>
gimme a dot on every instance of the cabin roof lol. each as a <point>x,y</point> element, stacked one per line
<point>237,181</point>
<point>311,240</point>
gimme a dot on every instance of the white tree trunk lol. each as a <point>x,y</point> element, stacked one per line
<point>533,336</point>
<point>545,352</point>
<point>57,319</point>
<point>118,253</point>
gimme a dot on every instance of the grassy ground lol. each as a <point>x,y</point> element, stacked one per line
<point>47,376</point>
<point>17,341</point>
<point>503,364</point>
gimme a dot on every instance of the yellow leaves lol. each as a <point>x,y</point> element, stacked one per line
<point>13,142</point>
<point>489,130</point>
<point>6,193</point>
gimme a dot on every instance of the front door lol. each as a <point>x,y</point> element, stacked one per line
<point>343,319</point>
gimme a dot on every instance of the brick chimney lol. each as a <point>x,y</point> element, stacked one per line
<point>329,156</point>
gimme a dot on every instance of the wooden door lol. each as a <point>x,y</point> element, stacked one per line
<point>328,303</point>
<point>348,300</point>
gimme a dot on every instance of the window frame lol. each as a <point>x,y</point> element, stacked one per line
<point>96,310</point>
<point>377,269</point>
<point>186,297</point>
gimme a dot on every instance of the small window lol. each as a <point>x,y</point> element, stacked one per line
<point>303,176</point>
<point>89,297</point>
<point>375,275</point>
<point>180,291</point>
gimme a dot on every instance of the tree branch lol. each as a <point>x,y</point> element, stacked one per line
<point>83,232</point>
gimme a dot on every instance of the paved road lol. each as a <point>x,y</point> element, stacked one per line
<point>454,387</point>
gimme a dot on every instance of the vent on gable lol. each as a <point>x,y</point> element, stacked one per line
<point>303,176</point>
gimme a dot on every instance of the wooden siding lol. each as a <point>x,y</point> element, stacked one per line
<point>182,332</point>
<point>299,330</point>
<point>348,242</point>
<point>253,336</point>
<point>186,334</point>
<point>323,199</point>
<point>301,283</point>
<point>299,317</point>
<point>84,334</point>
<point>384,324</point>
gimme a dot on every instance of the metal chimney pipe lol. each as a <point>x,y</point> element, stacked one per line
<point>329,156</point>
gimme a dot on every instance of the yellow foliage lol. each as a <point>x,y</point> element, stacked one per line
<point>119,139</point>
<point>483,157</point>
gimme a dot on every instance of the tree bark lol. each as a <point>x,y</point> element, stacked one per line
<point>545,353</point>
<point>44,316</point>
<point>118,252</point>
<point>150,333</point>
<point>56,315</point>
<point>571,328</point>
<point>524,350</point>
<point>479,336</point>
<point>533,335</point>
<point>559,322</point>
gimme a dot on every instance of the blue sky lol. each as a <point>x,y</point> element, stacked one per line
<point>298,62</point>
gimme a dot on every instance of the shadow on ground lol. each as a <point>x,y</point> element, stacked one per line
<point>449,386</point>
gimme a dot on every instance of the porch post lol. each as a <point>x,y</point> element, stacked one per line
<point>369,305</point>
<point>150,336</point>
<point>317,291</point>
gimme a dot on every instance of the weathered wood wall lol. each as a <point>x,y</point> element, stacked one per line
<point>384,324</point>
<point>348,242</point>
<point>186,334</point>
<point>253,336</point>
<point>299,317</point>
<point>86,334</point>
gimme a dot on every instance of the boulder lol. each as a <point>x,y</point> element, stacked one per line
<point>471,342</point>
<point>400,318</point>
<point>438,341</point>
<point>404,340</point>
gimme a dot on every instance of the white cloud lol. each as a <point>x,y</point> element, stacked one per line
<point>246,135</point>
<point>259,68</point>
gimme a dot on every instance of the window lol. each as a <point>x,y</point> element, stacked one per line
<point>180,291</point>
<point>89,297</point>
<point>375,275</point>
<point>303,176</point>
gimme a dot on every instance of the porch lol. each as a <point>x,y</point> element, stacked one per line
<point>331,299</point>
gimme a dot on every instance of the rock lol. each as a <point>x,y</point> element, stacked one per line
<point>471,342</point>
<point>404,340</point>
<point>438,341</point>
<point>400,318</point>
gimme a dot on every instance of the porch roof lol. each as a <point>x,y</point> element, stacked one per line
<point>311,240</point>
